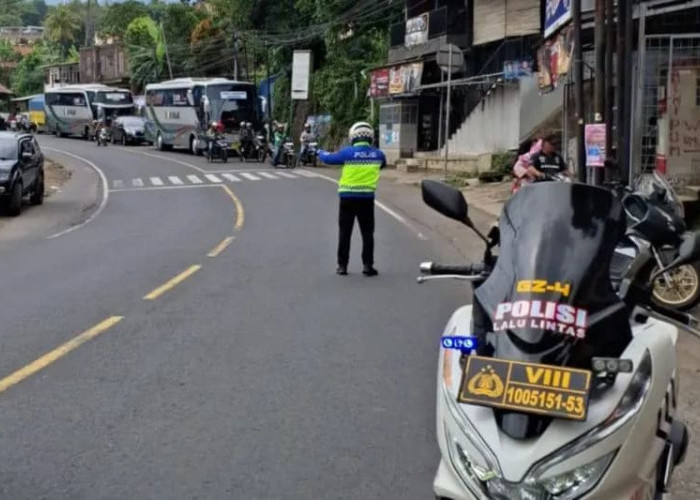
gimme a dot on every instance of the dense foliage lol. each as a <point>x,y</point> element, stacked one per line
<point>346,37</point>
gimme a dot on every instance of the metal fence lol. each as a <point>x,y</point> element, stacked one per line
<point>665,122</point>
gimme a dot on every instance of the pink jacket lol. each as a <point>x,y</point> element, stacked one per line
<point>523,163</point>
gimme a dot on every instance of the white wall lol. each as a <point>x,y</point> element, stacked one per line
<point>494,125</point>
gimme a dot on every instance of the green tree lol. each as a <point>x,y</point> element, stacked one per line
<point>62,27</point>
<point>117,17</point>
<point>28,77</point>
<point>145,51</point>
<point>11,12</point>
<point>34,13</point>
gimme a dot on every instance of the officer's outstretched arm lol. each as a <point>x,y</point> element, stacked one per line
<point>332,158</point>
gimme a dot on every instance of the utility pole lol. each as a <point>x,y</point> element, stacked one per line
<point>167,52</point>
<point>87,25</point>
<point>578,91</point>
<point>621,86</point>
<point>235,54</point>
<point>609,80</point>
<point>627,90</point>
<point>599,96</point>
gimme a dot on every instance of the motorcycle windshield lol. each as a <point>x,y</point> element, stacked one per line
<point>549,299</point>
<point>647,185</point>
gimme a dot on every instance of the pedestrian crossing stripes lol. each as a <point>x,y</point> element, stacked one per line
<point>207,179</point>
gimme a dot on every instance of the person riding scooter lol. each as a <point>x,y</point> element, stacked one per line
<point>278,142</point>
<point>307,137</point>
<point>214,132</point>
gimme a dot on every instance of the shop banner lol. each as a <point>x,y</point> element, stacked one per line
<point>556,14</point>
<point>379,83</point>
<point>416,30</point>
<point>405,79</point>
<point>554,60</point>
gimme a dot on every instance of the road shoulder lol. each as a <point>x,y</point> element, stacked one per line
<point>74,193</point>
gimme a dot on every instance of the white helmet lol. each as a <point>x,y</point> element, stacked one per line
<point>361,131</point>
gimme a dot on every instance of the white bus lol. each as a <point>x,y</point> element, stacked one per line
<point>178,111</point>
<point>71,110</point>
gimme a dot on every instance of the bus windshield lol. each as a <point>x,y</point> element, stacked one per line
<point>232,103</point>
<point>113,97</point>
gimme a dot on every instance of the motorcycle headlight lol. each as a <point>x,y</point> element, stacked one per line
<point>578,481</point>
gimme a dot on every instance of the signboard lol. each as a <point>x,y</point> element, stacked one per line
<point>405,79</point>
<point>450,59</point>
<point>595,144</point>
<point>416,30</point>
<point>379,83</point>
<point>233,95</point>
<point>554,59</point>
<point>301,74</point>
<point>514,70</point>
<point>556,14</point>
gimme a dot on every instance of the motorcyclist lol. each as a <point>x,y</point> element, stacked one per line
<point>548,160</point>
<point>306,138</point>
<point>523,171</point>
<point>247,137</point>
<point>278,141</point>
<point>214,132</point>
<point>361,165</point>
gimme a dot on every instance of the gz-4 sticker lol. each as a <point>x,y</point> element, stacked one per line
<point>543,286</point>
<point>543,315</point>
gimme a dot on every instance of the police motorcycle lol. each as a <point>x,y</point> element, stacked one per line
<point>656,214</point>
<point>552,385</point>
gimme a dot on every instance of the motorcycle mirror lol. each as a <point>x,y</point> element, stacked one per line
<point>446,200</point>
<point>688,251</point>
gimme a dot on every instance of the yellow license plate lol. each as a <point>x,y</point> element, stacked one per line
<point>554,391</point>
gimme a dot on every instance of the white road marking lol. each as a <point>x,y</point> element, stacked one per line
<point>251,177</point>
<point>382,207</point>
<point>287,175</point>
<point>164,188</point>
<point>198,169</point>
<point>156,181</point>
<point>212,178</point>
<point>306,173</point>
<point>175,180</point>
<point>268,175</point>
<point>194,179</point>
<point>105,193</point>
<point>118,184</point>
<point>231,177</point>
<point>137,182</point>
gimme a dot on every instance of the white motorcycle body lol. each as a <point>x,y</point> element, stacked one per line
<point>475,452</point>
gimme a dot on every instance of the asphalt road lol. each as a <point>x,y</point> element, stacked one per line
<point>260,374</point>
<point>189,338</point>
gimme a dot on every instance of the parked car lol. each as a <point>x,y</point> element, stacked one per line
<point>21,171</point>
<point>128,130</point>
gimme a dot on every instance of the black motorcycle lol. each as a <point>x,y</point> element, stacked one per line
<point>217,149</point>
<point>287,157</point>
<point>656,223</point>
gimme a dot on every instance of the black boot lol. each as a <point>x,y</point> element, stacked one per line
<point>369,271</point>
<point>342,270</point>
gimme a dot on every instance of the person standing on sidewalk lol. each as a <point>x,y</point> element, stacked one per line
<point>361,165</point>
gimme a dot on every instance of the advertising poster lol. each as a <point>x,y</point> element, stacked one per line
<point>595,144</point>
<point>379,83</point>
<point>416,30</point>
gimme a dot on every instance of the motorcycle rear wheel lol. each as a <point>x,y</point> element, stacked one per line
<point>682,292</point>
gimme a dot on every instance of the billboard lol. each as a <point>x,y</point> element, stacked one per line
<point>416,30</point>
<point>556,14</point>
<point>405,79</point>
<point>554,60</point>
<point>301,74</point>
<point>379,83</point>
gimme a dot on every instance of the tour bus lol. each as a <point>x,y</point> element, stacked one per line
<point>179,111</point>
<point>72,109</point>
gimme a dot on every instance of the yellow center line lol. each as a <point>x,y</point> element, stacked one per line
<point>57,353</point>
<point>221,247</point>
<point>240,214</point>
<point>172,283</point>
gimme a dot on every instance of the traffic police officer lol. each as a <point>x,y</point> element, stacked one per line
<point>361,165</point>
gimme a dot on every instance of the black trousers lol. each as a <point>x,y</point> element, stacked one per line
<point>363,210</point>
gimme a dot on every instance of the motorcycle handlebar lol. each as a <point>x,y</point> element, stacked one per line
<point>438,269</point>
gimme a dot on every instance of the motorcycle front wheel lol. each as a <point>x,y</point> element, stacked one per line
<point>681,290</point>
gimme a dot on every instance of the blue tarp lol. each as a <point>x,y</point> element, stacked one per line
<point>263,94</point>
